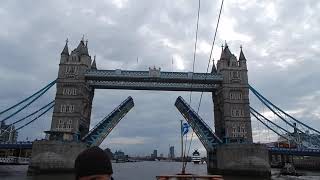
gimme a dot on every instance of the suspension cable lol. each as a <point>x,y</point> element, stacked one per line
<point>195,50</point>
<point>50,107</point>
<point>266,100</point>
<point>22,108</point>
<point>210,56</point>
<point>253,113</point>
<point>193,65</point>
<point>35,112</point>
<point>266,104</point>
<point>50,84</point>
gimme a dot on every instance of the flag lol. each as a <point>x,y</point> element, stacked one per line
<point>185,128</point>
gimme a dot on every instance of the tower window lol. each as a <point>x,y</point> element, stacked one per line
<point>236,112</point>
<point>235,95</point>
<point>235,74</point>
<point>67,108</point>
<point>71,70</point>
<point>69,91</point>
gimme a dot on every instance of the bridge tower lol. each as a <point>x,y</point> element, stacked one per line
<point>73,101</point>
<point>238,154</point>
<point>231,100</point>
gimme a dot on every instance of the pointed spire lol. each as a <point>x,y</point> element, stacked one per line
<point>242,57</point>
<point>222,56</point>
<point>227,52</point>
<point>65,50</point>
<point>94,65</point>
<point>82,48</point>
<point>214,69</point>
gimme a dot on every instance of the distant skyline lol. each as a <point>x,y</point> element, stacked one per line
<point>280,40</point>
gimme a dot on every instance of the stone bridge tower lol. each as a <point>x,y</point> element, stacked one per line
<point>231,100</point>
<point>73,101</point>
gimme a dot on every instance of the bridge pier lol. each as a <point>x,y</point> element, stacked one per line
<point>54,156</point>
<point>240,159</point>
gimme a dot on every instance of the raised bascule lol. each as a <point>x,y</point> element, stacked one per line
<point>229,148</point>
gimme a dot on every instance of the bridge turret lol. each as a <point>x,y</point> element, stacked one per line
<point>94,65</point>
<point>231,100</point>
<point>213,69</point>
<point>242,59</point>
<point>65,53</point>
<point>73,101</point>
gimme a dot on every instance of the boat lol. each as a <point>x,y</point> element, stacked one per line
<point>196,159</point>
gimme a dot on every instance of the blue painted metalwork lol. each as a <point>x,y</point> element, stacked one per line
<point>153,80</point>
<point>267,103</point>
<point>149,76</point>
<point>296,151</point>
<point>50,107</point>
<point>37,96</point>
<point>160,86</point>
<point>208,138</point>
<point>17,145</point>
<point>308,140</point>
<point>261,118</point>
<point>97,134</point>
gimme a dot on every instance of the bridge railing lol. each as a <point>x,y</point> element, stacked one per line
<point>145,75</point>
<point>152,86</point>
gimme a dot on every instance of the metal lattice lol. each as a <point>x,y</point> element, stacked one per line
<point>208,138</point>
<point>97,134</point>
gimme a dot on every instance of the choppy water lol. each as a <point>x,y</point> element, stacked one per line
<point>140,171</point>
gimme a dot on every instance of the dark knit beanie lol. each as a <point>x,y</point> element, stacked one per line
<point>93,161</point>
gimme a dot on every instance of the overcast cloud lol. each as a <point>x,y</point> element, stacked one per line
<point>280,39</point>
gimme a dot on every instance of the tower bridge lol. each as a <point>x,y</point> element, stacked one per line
<point>230,148</point>
<point>79,76</point>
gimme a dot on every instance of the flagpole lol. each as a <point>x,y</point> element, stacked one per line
<point>182,160</point>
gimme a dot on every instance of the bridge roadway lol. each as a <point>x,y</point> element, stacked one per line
<point>154,79</point>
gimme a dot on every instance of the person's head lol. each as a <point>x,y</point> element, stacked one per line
<point>93,164</point>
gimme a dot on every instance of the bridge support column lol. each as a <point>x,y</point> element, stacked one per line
<point>54,156</point>
<point>240,159</point>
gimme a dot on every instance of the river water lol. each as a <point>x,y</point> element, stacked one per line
<point>141,171</point>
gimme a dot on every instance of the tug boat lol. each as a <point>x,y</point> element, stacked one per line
<point>196,159</point>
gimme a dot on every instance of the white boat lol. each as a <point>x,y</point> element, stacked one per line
<point>196,159</point>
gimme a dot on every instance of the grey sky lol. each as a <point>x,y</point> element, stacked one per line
<point>280,39</point>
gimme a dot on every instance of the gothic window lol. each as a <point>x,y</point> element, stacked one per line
<point>69,91</point>
<point>71,70</point>
<point>63,108</point>
<point>74,91</point>
<point>69,121</point>
<point>234,64</point>
<point>67,108</point>
<point>235,74</point>
<point>235,95</point>
<point>237,113</point>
